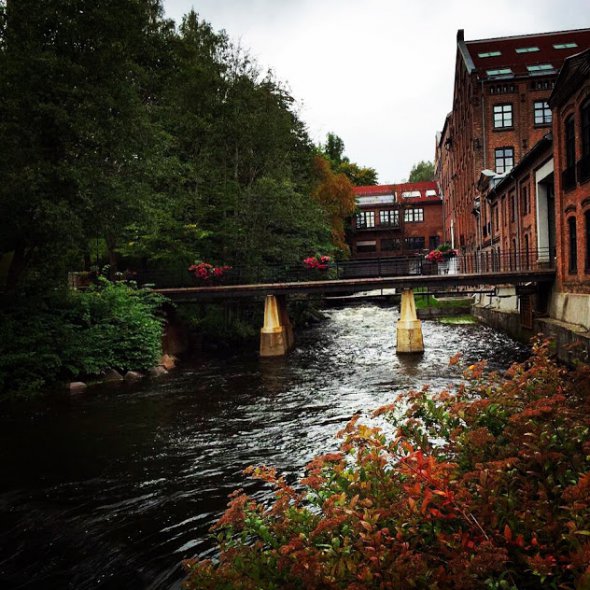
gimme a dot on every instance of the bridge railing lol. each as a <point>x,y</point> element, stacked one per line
<point>477,262</point>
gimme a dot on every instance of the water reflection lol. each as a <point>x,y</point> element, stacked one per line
<point>112,489</point>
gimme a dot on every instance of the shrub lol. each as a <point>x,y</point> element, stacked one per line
<point>486,486</point>
<point>65,335</point>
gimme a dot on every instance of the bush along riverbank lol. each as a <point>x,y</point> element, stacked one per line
<point>71,335</point>
<point>484,486</point>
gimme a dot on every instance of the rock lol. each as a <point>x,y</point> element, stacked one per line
<point>168,362</point>
<point>110,375</point>
<point>158,371</point>
<point>133,376</point>
<point>77,387</point>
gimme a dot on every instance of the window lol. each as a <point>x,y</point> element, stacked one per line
<point>587,228</point>
<point>573,242</point>
<point>499,72</point>
<point>542,112</point>
<point>512,207</point>
<point>411,194</point>
<point>366,246</point>
<point>568,176</point>
<point>390,245</point>
<point>433,242</point>
<point>495,217</point>
<point>502,116</point>
<point>584,163</point>
<point>524,201</point>
<point>570,45</point>
<point>504,159</point>
<point>585,119</point>
<point>540,68</point>
<point>489,54</point>
<point>431,193</point>
<point>389,218</point>
<point>415,215</point>
<point>414,243</point>
<point>365,219</point>
<point>526,49</point>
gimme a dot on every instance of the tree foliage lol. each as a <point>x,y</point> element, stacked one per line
<point>422,171</point>
<point>333,151</point>
<point>335,194</point>
<point>160,143</point>
<point>487,486</point>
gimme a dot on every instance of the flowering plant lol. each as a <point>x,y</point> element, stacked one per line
<point>204,270</point>
<point>435,256</point>
<point>440,253</point>
<point>319,262</point>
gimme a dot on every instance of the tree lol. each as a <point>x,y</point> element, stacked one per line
<point>333,151</point>
<point>335,194</point>
<point>422,171</point>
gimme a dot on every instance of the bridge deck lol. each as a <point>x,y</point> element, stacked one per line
<point>355,285</point>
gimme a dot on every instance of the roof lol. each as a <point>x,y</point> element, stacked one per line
<point>499,54</point>
<point>575,71</point>
<point>399,189</point>
<point>543,145</point>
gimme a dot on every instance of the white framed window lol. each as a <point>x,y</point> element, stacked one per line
<point>502,116</point>
<point>542,112</point>
<point>414,215</point>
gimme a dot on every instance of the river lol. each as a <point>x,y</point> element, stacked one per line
<point>113,488</point>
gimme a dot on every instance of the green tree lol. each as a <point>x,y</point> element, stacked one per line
<point>422,171</point>
<point>333,151</point>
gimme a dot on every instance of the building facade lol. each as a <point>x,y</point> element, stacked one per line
<point>500,111</point>
<point>396,220</point>
<point>570,102</point>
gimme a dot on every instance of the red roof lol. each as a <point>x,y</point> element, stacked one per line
<point>388,189</point>
<point>518,62</point>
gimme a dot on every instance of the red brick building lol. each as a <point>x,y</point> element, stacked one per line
<point>396,220</point>
<point>500,111</point>
<point>518,208</point>
<point>570,102</point>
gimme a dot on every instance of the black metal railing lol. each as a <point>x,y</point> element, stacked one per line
<point>469,263</point>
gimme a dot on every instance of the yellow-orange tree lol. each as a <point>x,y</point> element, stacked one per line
<point>335,195</point>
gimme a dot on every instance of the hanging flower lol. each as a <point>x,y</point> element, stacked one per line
<point>204,271</point>
<point>317,262</point>
<point>435,256</point>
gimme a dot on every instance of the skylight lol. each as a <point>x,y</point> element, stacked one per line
<point>540,68</point>
<point>526,49</point>
<point>411,194</point>
<point>489,54</point>
<point>499,72</point>
<point>565,45</point>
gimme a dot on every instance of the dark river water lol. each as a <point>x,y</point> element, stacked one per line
<point>113,488</point>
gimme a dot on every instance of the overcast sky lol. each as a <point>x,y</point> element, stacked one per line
<point>378,73</point>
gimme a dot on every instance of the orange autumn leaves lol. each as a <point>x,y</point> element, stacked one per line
<point>335,194</point>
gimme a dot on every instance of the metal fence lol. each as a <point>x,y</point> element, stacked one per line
<point>472,263</point>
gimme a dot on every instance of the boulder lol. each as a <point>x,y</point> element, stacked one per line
<point>133,376</point>
<point>110,375</point>
<point>158,371</point>
<point>77,387</point>
<point>168,361</point>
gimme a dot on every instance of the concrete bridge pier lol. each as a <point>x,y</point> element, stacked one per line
<point>409,327</point>
<point>276,335</point>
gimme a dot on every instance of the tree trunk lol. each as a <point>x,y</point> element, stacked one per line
<point>16,268</point>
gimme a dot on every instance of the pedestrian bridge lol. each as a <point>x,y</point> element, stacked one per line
<point>526,271</point>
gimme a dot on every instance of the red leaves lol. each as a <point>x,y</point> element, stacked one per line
<point>488,479</point>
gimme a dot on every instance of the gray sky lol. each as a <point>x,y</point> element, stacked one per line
<point>378,73</point>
